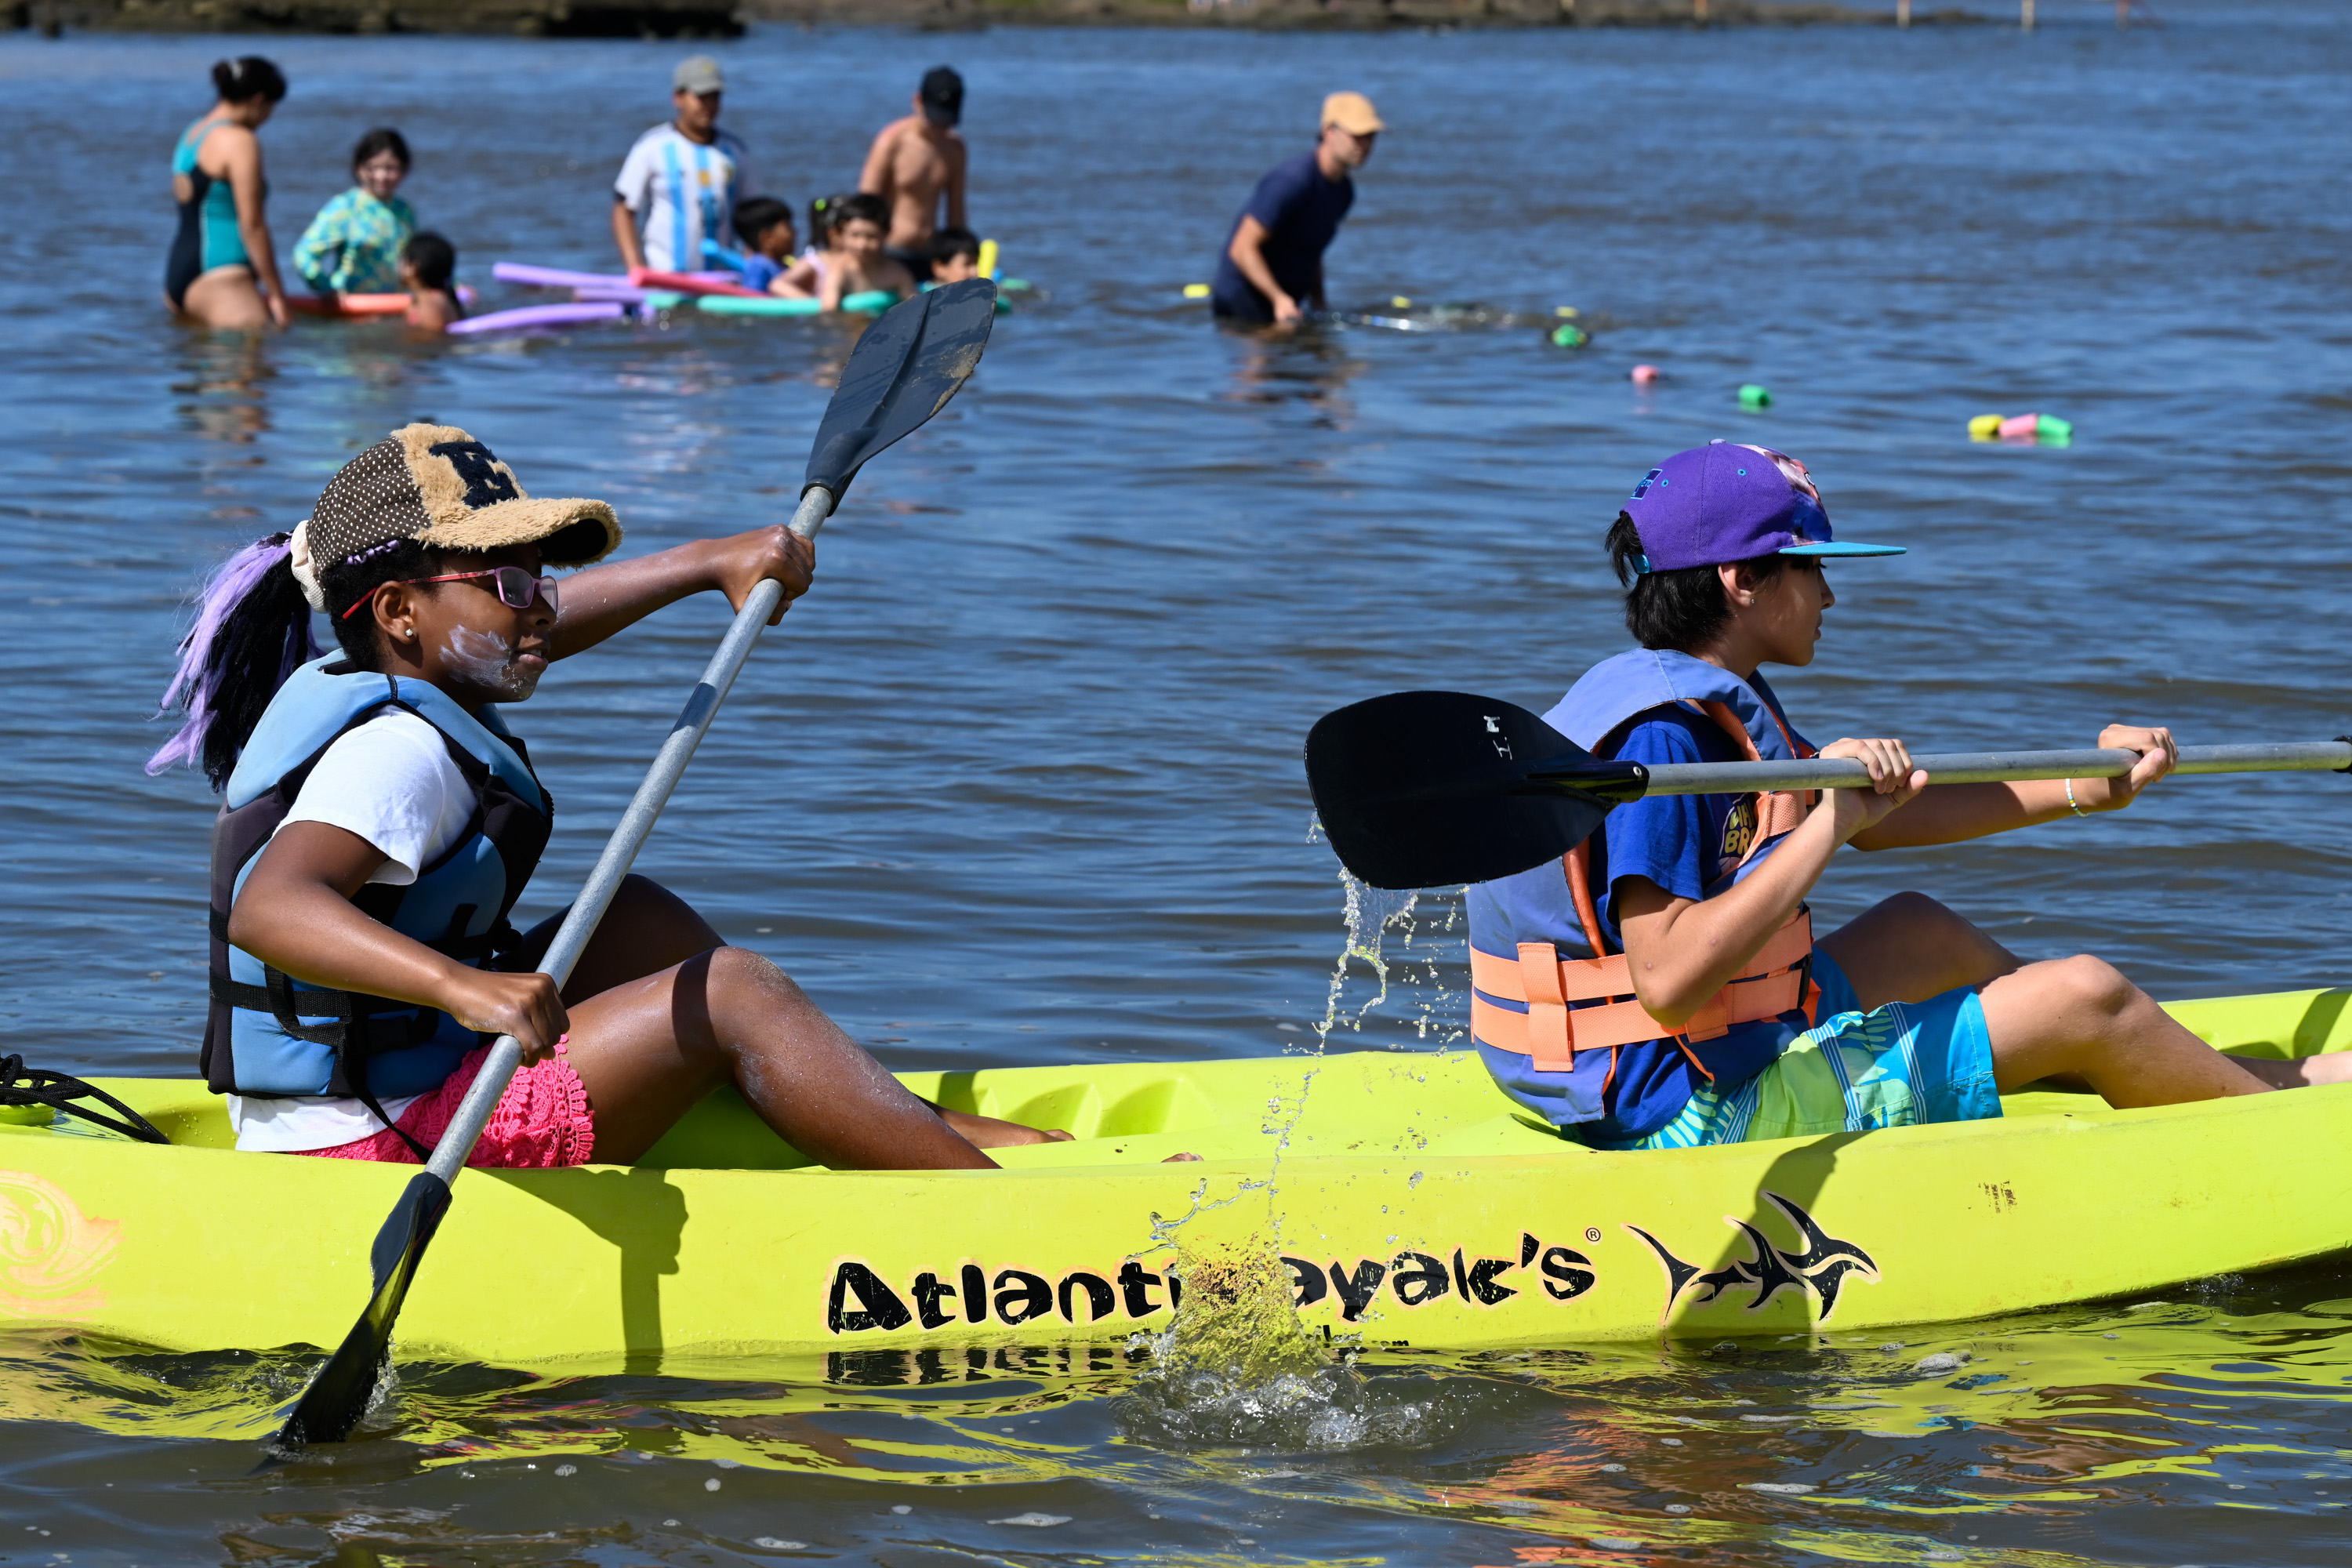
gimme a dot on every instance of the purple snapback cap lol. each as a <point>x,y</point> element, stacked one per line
<point>1725,501</point>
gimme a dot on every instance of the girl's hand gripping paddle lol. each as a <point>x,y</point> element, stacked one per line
<point>903,371</point>
<point>1423,789</point>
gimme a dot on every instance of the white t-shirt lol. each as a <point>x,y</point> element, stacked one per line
<point>683,193</point>
<point>392,783</point>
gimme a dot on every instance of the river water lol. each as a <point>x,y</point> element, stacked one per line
<point>1019,781</point>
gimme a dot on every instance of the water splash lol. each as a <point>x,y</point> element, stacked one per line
<point>1237,1368</point>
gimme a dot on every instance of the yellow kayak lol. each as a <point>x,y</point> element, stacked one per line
<point>1407,1202</point>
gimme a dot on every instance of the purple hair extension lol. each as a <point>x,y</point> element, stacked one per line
<point>197,684</point>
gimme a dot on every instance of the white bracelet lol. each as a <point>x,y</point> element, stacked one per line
<point>2072,804</point>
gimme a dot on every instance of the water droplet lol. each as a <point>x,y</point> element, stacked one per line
<point>900,1508</point>
<point>711,1485</point>
<point>567,1469</point>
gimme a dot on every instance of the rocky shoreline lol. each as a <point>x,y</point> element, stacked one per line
<point>727,18</point>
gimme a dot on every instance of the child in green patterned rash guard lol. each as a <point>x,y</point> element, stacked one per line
<point>353,246</point>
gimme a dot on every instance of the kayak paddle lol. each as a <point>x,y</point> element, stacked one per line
<point>1423,789</point>
<point>903,371</point>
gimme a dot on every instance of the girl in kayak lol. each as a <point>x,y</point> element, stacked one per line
<point>1708,1013</point>
<point>353,246</point>
<point>379,822</point>
<point>223,269</point>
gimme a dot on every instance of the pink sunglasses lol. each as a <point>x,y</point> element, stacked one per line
<point>516,587</point>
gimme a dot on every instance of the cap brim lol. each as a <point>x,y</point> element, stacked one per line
<point>1841,547</point>
<point>569,531</point>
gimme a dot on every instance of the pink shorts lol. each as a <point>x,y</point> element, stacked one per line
<point>541,1121</point>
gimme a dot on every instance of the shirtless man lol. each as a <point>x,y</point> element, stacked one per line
<point>914,163</point>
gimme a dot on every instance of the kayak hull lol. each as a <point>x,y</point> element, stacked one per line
<point>1408,1203</point>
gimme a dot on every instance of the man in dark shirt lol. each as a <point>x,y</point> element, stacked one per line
<point>1271,270</point>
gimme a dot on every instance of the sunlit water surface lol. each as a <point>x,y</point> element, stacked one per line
<point>1019,781</point>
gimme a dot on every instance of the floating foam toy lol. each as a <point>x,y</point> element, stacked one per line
<point>360,304</point>
<point>871,303</point>
<point>1754,396</point>
<point>1568,335</point>
<point>1644,375</point>
<point>573,315</point>
<point>1197,290</point>
<point>1566,312</point>
<point>562,278</point>
<point>2022,429</point>
<point>690,283</point>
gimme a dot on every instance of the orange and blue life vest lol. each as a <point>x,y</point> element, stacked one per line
<point>1553,1009</point>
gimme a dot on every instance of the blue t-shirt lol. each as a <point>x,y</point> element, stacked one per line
<point>1687,844</point>
<point>1301,210</point>
<point>759,271</point>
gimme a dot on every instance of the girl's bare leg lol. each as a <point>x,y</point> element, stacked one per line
<point>653,1065</point>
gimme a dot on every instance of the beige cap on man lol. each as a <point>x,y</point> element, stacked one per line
<point>1352,112</point>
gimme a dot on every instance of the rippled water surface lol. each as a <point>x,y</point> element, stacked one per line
<point>1019,781</point>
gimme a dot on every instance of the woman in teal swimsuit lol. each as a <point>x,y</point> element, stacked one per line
<point>222,270</point>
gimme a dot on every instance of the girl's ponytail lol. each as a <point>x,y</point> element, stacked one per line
<point>252,631</point>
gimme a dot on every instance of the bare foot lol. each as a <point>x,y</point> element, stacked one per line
<point>2299,1072</point>
<point>991,1133</point>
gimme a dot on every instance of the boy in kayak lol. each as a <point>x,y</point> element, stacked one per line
<point>853,261</point>
<point>380,820</point>
<point>1714,1016</point>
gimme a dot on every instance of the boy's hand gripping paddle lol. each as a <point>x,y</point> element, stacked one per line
<point>903,371</point>
<point>1423,789</point>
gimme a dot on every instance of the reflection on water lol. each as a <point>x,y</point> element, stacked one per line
<point>2169,1430</point>
<point>1020,782</point>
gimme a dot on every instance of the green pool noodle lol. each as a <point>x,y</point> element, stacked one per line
<point>1754,396</point>
<point>871,303</point>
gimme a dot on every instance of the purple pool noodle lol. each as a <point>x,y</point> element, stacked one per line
<point>572,314</point>
<point>556,276</point>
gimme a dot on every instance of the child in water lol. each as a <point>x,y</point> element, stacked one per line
<point>764,224</point>
<point>427,265</point>
<point>353,246</point>
<point>378,821</point>
<point>853,261</point>
<point>955,255</point>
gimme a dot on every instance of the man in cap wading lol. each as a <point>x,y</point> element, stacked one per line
<point>1272,268</point>
<point>916,163</point>
<point>1713,1015</point>
<point>681,181</point>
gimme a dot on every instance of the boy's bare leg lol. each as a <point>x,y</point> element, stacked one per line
<point>1909,948</point>
<point>2080,1015</point>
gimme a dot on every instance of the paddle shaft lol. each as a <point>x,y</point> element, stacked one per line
<point>1990,767</point>
<point>628,837</point>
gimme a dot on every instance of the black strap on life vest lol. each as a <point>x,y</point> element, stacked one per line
<point>21,1085</point>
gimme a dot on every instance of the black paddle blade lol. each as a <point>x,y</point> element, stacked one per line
<point>1423,789</point>
<point>338,1397</point>
<point>902,371</point>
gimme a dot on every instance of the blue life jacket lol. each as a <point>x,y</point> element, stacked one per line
<point>1544,983</point>
<point>269,1034</point>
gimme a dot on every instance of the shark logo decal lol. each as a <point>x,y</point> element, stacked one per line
<point>1820,1267</point>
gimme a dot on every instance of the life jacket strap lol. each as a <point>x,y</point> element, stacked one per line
<point>1556,1026</point>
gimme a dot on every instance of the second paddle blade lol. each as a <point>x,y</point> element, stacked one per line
<point>1423,789</point>
<point>904,369</point>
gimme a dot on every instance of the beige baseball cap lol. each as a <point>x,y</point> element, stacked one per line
<point>1351,111</point>
<point>438,485</point>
